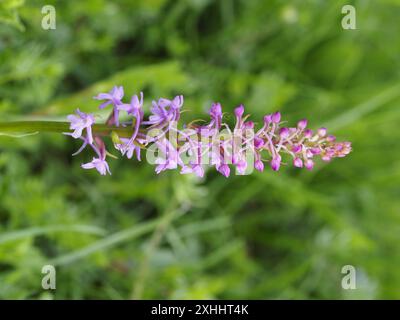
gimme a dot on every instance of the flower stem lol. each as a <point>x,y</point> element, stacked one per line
<point>59,127</point>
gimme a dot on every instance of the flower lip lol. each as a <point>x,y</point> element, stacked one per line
<point>99,164</point>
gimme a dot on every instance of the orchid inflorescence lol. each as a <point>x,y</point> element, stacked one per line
<point>195,145</point>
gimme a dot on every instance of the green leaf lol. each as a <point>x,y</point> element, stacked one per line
<point>9,13</point>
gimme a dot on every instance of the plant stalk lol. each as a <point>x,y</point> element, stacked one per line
<point>60,127</point>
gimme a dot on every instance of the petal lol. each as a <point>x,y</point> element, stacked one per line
<point>77,133</point>
<point>118,92</point>
<point>72,118</point>
<point>89,165</point>
<point>89,134</point>
<point>186,170</point>
<point>81,148</point>
<point>103,96</point>
<point>129,153</point>
<point>104,104</point>
<point>199,171</point>
<point>138,154</point>
<point>164,102</point>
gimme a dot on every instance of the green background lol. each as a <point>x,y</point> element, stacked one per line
<point>134,234</point>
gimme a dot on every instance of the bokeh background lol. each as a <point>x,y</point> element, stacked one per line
<point>138,235</point>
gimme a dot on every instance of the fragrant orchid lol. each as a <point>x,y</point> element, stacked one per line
<point>193,146</point>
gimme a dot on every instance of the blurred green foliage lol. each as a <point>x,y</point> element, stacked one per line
<point>136,234</point>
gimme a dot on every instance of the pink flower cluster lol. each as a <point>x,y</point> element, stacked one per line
<point>192,147</point>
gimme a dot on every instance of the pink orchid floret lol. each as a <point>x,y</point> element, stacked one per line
<point>99,164</point>
<point>80,122</point>
<point>126,147</point>
<point>165,111</point>
<point>114,97</point>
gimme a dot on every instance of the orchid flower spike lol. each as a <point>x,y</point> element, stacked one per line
<point>190,148</point>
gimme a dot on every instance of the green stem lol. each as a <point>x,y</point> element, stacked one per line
<point>59,127</point>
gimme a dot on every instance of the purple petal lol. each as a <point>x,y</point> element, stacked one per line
<point>104,104</point>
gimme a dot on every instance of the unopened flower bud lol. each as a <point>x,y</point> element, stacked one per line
<point>258,142</point>
<point>249,125</point>
<point>284,133</point>
<point>321,132</point>
<point>297,162</point>
<point>330,138</point>
<point>297,148</point>
<point>259,165</point>
<point>267,119</point>
<point>276,163</point>
<point>302,124</point>
<point>224,170</point>
<point>315,151</point>
<point>276,117</point>
<point>216,110</point>
<point>308,133</point>
<point>239,111</point>
<point>326,158</point>
<point>309,164</point>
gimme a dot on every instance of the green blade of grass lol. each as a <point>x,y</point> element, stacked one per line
<point>107,242</point>
<point>364,108</point>
<point>32,232</point>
